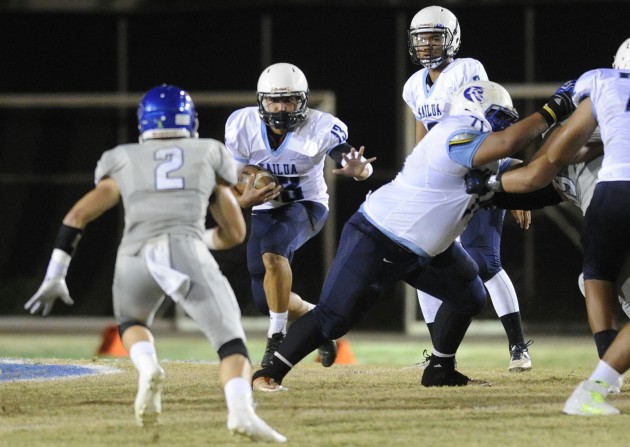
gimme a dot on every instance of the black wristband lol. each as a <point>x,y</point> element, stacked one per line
<point>549,115</point>
<point>68,238</point>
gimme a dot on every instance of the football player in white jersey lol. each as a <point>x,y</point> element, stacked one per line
<point>434,39</point>
<point>411,223</point>
<point>602,98</point>
<point>292,141</point>
<point>166,183</point>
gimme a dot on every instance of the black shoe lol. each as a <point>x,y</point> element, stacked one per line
<point>441,372</point>
<point>273,343</point>
<point>327,353</point>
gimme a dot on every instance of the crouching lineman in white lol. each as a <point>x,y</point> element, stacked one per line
<point>602,95</point>
<point>411,223</point>
<point>167,183</point>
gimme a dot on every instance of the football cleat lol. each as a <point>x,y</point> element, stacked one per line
<point>327,353</point>
<point>519,357</point>
<point>242,420</point>
<point>441,372</point>
<point>273,343</point>
<point>589,399</point>
<point>148,404</point>
<point>615,388</point>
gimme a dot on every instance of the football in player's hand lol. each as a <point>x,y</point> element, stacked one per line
<point>262,177</point>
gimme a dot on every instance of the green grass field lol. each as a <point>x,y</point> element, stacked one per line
<point>377,402</point>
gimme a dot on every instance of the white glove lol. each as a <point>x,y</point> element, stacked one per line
<point>48,292</point>
<point>54,285</point>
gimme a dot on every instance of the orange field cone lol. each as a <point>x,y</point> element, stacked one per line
<point>112,344</point>
<point>344,354</point>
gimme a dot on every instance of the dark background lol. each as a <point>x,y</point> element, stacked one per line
<point>357,49</point>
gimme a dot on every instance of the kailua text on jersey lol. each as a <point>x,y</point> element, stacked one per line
<point>299,160</point>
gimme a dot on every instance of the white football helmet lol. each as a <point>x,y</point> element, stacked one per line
<point>282,81</point>
<point>433,19</point>
<point>487,101</point>
<point>622,58</point>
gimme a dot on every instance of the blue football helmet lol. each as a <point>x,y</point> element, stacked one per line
<point>167,111</point>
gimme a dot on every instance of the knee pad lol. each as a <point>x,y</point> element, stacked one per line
<point>127,324</point>
<point>236,346</point>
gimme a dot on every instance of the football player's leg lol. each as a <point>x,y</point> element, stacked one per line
<point>453,278</point>
<point>482,240</point>
<point>606,245</point>
<point>235,376</point>
<point>281,233</point>
<point>211,303</point>
<point>136,300</point>
<point>623,286</point>
<point>355,279</point>
<point>429,306</point>
<point>293,226</point>
<point>463,296</point>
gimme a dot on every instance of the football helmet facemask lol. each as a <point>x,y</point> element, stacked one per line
<point>433,20</point>
<point>282,83</point>
<point>167,111</point>
<point>622,58</point>
<point>487,101</point>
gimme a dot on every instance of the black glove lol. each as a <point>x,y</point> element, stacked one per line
<point>560,105</point>
<point>476,182</point>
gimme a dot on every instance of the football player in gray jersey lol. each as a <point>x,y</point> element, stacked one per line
<point>166,183</point>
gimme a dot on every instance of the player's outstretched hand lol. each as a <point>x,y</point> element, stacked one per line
<point>48,292</point>
<point>476,182</point>
<point>355,164</point>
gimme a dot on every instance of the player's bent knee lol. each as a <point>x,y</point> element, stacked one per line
<point>236,346</point>
<point>127,324</point>
<point>333,326</point>
<point>476,302</point>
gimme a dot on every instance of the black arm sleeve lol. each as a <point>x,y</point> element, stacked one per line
<point>68,238</point>
<point>335,152</point>
<point>527,201</point>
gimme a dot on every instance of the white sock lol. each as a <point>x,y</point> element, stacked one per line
<point>237,391</point>
<point>606,373</point>
<point>502,294</point>
<point>143,356</point>
<point>277,322</point>
<point>429,306</point>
